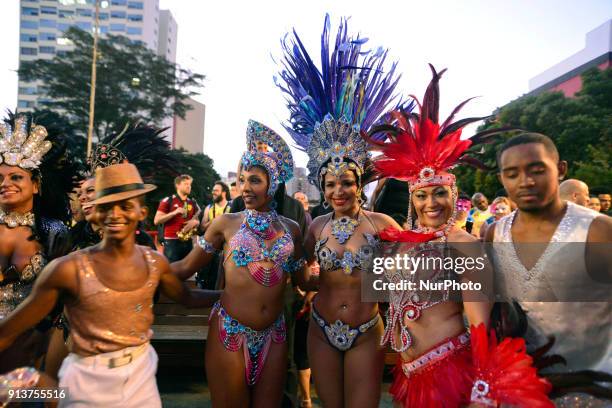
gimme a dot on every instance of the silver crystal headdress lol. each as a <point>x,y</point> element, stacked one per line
<point>17,148</point>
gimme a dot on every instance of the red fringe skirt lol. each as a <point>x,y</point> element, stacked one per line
<point>440,377</point>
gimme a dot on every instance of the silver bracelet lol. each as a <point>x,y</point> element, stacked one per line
<point>206,246</point>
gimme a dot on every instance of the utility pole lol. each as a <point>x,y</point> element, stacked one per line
<point>92,93</point>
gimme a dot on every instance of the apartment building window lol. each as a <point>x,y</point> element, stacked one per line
<point>29,11</point>
<point>46,36</point>
<point>117,14</point>
<point>134,30</point>
<point>27,90</point>
<point>48,10</point>
<point>103,16</point>
<point>48,23</point>
<point>29,51</point>
<point>135,17</point>
<point>103,29</point>
<point>33,25</point>
<point>63,27</point>
<point>137,5</point>
<point>117,27</point>
<point>84,25</point>
<point>118,2</point>
<point>84,12</point>
<point>25,104</point>
<point>28,37</point>
<point>46,50</point>
<point>66,13</point>
<point>61,53</point>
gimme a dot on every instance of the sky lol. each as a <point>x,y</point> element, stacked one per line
<point>490,47</point>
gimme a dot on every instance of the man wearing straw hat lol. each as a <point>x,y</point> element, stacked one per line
<point>107,290</point>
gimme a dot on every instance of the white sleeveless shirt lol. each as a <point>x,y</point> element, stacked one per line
<point>582,330</point>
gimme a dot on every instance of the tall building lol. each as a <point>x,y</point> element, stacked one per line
<point>565,76</point>
<point>189,132</point>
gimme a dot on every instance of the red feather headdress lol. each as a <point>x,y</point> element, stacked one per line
<point>420,150</point>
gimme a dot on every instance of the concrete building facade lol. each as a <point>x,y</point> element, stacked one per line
<point>189,132</point>
<point>565,76</point>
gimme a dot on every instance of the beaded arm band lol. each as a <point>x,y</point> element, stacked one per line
<point>206,246</point>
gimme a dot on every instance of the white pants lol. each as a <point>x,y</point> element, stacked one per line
<point>90,383</point>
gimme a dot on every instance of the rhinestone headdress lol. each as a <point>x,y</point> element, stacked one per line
<point>329,107</point>
<point>17,148</point>
<point>278,163</point>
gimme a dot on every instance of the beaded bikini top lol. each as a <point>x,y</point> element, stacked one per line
<point>409,305</point>
<point>248,248</point>
<point>330,260</point>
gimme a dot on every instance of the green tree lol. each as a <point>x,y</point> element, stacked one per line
<point>133,83</point>
<point>579,126</point>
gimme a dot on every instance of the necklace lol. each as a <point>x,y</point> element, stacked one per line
<point>14,219</point>
<point>260,223</point>
<point>343,228</point>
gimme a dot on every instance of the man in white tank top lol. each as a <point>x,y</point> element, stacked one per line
<point>536,275</point>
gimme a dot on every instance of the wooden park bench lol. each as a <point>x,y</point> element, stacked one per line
<point>179,333</point>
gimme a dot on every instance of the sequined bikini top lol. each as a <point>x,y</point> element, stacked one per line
<point>246,248</point>
<point>330,260</point>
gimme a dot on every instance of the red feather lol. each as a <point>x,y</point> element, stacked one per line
<point>419,141</point>
<point>508,370</point>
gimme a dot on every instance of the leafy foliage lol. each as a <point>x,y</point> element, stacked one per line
<point>579,126</point>
<point>133,83</point>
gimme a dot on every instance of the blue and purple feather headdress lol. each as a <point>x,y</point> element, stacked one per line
<point>331,106</point>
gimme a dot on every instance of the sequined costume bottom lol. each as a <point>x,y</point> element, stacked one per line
<point>440,377</point>
<point>255,343</point>
<point>340,335</point>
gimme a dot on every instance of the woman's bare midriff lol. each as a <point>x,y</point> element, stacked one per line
<point>254,305</point>
<point>339,297</point>
<point>435,325</point>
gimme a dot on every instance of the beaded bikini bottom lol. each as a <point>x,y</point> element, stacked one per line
<point>339,334</point>
<point>255,343</point>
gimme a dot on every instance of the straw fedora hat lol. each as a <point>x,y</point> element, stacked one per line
<point>119,182</point>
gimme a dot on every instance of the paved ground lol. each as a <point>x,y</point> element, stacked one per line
<point>189,391</point>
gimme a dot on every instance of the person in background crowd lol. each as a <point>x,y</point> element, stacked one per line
<point>302,198</point>
<point>605,200</point>
<point>575,191</point>
<point>463,208</point>
<point>530,169</point>
<point>179,215</point>
<point>220,204</point>
<point>479,213</point>
<point>207,276</point>
<point>234,191</point>
<point>500,208</point>
<point>594,203</point>
<point>300,352</point>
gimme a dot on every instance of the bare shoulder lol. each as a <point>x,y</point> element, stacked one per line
<point>600,229</point>
<point>382,220</point>
<point>61,272</point>
<point>461,236</point>
<point>161,262</point>
<point>318,223</point>
<point>293,226</point>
